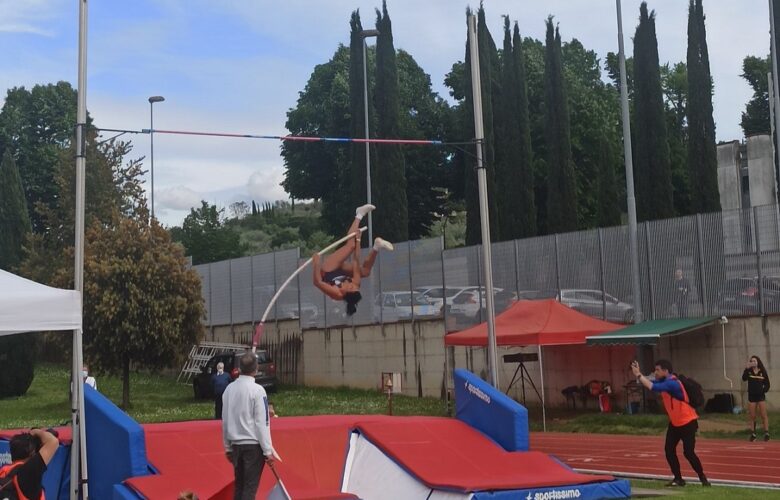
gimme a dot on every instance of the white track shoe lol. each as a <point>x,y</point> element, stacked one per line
<point>380,244</point>
<point>362,211</point>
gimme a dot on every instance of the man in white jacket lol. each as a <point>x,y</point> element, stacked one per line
<point>246,429</point>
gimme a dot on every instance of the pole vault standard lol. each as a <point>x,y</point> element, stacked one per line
<point>261,325</point>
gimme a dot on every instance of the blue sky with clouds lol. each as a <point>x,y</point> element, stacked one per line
<point>238,65</point>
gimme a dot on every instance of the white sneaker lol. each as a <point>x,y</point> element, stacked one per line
<point>360,212</point>
<point>380,244</point>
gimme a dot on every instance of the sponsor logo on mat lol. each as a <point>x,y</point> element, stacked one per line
<point>554,495</point>
<point>5,458</point>
<point>476,391</point>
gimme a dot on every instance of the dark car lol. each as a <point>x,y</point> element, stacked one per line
<point>266,372</point>
<point>741,295</point>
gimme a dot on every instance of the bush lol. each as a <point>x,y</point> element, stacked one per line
<point>17,364</point>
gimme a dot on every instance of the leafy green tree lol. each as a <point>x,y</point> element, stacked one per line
<point>37,124</point>
<point>561,184</point>
<point>17,364</point>
<point>755,118</point>
<point>205,236</point>
<point>652,170</point>
<point>674,83</point>
<point>14,218</point>
<point>17,352</point>
<point>389,183</point>
<point>142,305</point>
<point>702,156</point>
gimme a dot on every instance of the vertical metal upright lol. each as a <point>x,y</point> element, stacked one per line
<point>78,457</point>
<point>476,86</point>
<point>627,154</point>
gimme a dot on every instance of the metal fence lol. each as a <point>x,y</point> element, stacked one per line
<point>712,264</point>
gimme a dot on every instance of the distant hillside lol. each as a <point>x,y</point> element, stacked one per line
<point>280,226</point>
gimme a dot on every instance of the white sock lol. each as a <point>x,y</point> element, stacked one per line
<point>359,216</point>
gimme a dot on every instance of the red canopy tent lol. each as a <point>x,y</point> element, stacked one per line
<point>535,322</point>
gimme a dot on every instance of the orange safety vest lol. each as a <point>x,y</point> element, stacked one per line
<point>6,470</point>
<point>680,412</point>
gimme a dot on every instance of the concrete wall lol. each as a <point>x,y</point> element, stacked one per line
<point>728,176</point>
<point>700,355</point>
<point>761,170</point>
<point>357,356</point>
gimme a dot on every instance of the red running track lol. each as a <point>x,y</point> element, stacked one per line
<point>724,461</point>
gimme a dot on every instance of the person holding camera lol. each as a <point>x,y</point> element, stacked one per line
<point>758,385</point>
<point>683,419</point>
<point>31,453</point>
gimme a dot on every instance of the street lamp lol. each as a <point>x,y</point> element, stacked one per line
<point>363,35</point>
<point>152,100</point>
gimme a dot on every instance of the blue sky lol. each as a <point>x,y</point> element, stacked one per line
<point>237,66</point>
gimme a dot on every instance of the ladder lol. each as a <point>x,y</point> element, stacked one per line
<point>201,353</point>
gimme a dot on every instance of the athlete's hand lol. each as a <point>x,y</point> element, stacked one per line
<point>635,368</point>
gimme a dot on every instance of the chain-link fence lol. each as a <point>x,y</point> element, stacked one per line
<point>712,264</point>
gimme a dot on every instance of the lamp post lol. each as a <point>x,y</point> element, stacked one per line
<point>367,34</point>
<point>152,100</point>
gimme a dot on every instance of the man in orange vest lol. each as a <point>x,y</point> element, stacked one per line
<point>683,419</point>
<point>31,452</point>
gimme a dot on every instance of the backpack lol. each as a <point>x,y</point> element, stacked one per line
<point>693,389</point>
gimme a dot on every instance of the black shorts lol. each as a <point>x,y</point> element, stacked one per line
<point>756,398</point>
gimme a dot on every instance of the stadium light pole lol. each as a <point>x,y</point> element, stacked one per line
<point>627,154</point>
<point>363,35</point>
<point>152,100</point>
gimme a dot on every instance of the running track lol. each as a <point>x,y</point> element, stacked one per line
<point>724,461</point>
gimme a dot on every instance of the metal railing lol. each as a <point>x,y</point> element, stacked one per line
<point>725,263</point>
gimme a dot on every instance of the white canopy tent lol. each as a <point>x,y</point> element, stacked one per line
<point>27,306</point>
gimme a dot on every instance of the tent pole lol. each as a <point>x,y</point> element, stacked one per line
<point>541,376</point>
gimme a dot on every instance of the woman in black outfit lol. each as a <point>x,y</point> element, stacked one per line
<point>758,384</point>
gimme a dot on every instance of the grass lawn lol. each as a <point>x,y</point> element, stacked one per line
<point>694,490</point>
<point>161,399</point>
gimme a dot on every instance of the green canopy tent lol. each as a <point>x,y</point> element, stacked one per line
<point>650,332</point>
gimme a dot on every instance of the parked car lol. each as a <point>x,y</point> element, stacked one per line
<point>266,372</point>
<point>472,303</point>
<point>393,306</point>
<point>439,295</point>
<point>594,302</point>
<point>741,295</point>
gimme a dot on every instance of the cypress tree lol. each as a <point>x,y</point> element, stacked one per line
<point>357,111</point>
<point>487,56</point>
<point>702,156</point>
<point>506,136</point>
<point>254,208</point>
<point>652,170</point>
<point>14,218</point>
<point>391,218</point>
<point>561,189</point>
<point>608,207</point>
<point>526,210</point>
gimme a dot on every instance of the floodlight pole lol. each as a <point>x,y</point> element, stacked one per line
<point>627,154</point>
<point>487,261</point>
<point>78,463</point>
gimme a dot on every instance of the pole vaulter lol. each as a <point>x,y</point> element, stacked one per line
<point>260,326</point>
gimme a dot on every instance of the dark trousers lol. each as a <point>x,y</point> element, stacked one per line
<point>218,407</point>
<point>248,461</point>
<point>686,434</point>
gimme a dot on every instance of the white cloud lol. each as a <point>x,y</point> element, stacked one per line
<point>177,198</point>
<point>24,28</point>
<point>265,185</point>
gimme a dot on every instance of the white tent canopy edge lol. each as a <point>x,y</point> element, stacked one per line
<point>27,306</point>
